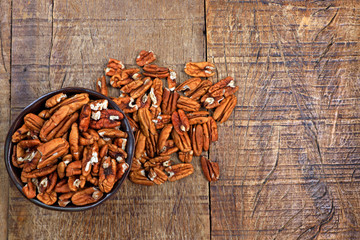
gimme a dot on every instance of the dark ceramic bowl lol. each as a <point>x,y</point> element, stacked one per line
<point>35,107</point>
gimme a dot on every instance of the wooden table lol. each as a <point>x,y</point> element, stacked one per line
<point>289,155</point>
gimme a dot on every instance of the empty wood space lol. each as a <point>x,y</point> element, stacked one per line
<point>289,155</point>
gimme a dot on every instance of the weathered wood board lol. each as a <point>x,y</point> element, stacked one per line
<point>289,154</point>
<point>5,45</point>
<point>65,43</point>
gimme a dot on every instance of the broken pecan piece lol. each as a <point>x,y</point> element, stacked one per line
<point>107,174</point>
<point>29,190</point>
<point>47,198</point>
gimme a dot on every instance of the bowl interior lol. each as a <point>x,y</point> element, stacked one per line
<point>38,105</point>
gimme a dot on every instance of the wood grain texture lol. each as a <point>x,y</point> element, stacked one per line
<point>67,43</point>
<point>289,154</point>
<point>5,45</point>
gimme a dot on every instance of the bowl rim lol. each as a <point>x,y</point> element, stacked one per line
<point>19,120</point>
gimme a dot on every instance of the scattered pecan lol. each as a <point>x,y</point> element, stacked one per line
<point>210,169</point>
<point>139,177</point>
<point>152,70</point>
<point>164,135</point>
<point>145,57</point>
<point>171,80</point>
<point>186,157</point>
<point>112,66</point>
<point>180,122</point>
<point>212,127</point>
<point>147,126</point>
<point>101,86</point>
<point>224,110</point>
<point>188,104</point>
<point>179,171</point>
<point>197,139</point>
<point>189,85</point>
<point>200,69</point>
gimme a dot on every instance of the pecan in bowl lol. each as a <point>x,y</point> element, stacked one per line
<point>69,150</point>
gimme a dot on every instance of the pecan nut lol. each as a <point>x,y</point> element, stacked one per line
<point>200,69</point>
<point>101,86</point>
<point>179,171</point>
<point>210,169</point>
<point>139,177</point>
<point>145,57</point>
<point>197,137</point>
<point>212,127</point>
<point>188,104</point>
<point>47,198</point>
<point>224,110</point>
<point>107,174</point>
<point>84,119</point>
<point>147,82</point>
<point>169,103</point>
<point>189,85</point>
<point>86,196</point>
<point>33,122</point>
<point>147,126</point>
<point>112,66</point>
<point>51,102</point>
<point>52,150</point>
<point>186,157</point>
<point>171,80</point>
<point>180,122</point>
<point>157,176</point>
<point>29,190</point>
<point>183,142</point>
<point>224,87</point>
<point>152,70</point>
<point>164,135</point>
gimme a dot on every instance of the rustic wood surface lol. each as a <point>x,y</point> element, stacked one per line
<point>288,155</point>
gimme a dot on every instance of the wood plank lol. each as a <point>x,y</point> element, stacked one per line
<point>289,155</point>
<point>68,43</point>
<point>5,45</point>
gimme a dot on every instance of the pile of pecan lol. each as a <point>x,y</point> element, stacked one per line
<point>72,151</point>
<point>175,119</point>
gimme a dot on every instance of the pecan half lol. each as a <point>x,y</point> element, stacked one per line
<point>29,190</point>
<point>152,70</point>
<point>206,137</point>
<point>161,120</point>
<point>39,172</point>
<point>140,145</point>
<point>210,169</point>
<point>123,77</point>
<point>86,196</point>
<point>224,110</point>
<point>156,92</point>
<point>147,82</point>
<point>186,157</point>
<point>67,124</point>
<point>189,85</point>
<point>62,186</point>
<point>200,69</point>
<point>107,174</point>
<point>127,104</point>
<point>188,104</point>
<point>52,150</point>
<point>213,132</point>
<point>131,86</point>
<point>182,141</point>
<point>169,103</point>
<point>74,141</point>
<point>145,57</point>
<point>101,86</point>
<point>144,101</point>
<point>157,176</point>
<point>197,114</point>
<point>179,171</point>
<point>139,177</point>
<point>74,168</point>
<point>180,122</point>
<point>47,198</point>
<point>51,102</point>
<point>20,134</point>
<point>198,120</point>
<point>146,124</point>
<point>44,114</point>
<point>33,122</point>
<point>211,102</point>
<point>74,103</point>
<point>169,148</point>
<point>112,66</point>
<point>197,137</point>
<point>54,122</point>
<point>224,87</point>
<point>164,135</point>
<point>171,80</point>
<point>112,133</point>
<point>121,168</point>
<point>201,90</point>
<point>150,145</point>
